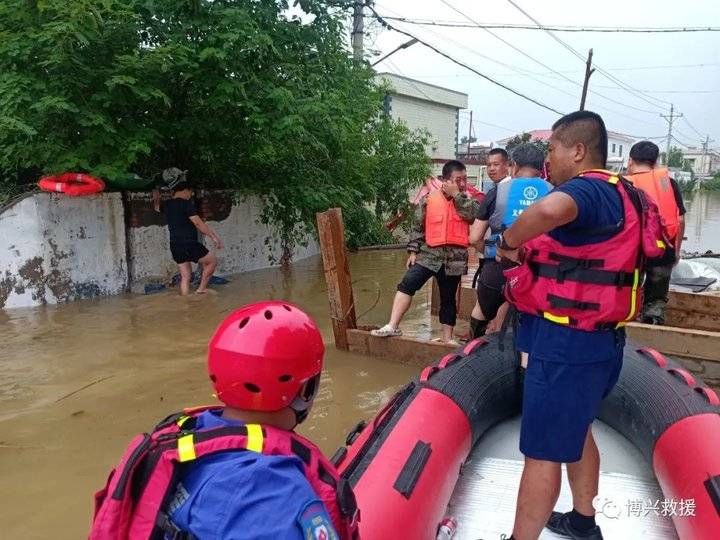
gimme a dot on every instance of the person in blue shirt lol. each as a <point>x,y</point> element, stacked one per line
<point>501,208</point>
<point>570,370</point>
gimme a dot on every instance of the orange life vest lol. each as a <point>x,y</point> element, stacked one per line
<point>443,225</point>
<point>656,183</point>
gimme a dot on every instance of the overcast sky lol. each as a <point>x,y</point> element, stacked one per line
<point>690,80</point>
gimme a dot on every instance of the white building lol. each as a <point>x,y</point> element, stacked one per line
<point>703,163</point>
<point>426,106</point>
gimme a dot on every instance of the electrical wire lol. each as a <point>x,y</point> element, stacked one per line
<point>462,64</point>
<point>561,28</point>
<point>535,60</point>
<point>581,57</point>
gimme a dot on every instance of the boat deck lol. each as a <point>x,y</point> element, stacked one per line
<point>485,496</point>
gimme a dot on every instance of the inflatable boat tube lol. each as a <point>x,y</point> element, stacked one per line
<point>72,184</point>
<point>404,464</point>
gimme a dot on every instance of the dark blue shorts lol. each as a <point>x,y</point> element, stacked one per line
<point>569,373</point>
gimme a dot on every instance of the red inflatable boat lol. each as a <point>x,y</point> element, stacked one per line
<point>405,463</point>
<point>72,184</point>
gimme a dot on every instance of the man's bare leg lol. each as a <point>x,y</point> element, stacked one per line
<point>401,303</point>
<point>209,264</point>
<point>584,476</point>
<point>185,276</point>
<point>538,493</point>
<point>447,332</point>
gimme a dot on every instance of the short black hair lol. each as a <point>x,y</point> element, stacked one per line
<point>528,155</point>
<point>180,186</point>
<point>645,152</point>
<point>585,127</point>
<point>499,152</point>
<point>452,166</point>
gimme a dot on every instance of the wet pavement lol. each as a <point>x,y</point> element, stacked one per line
<point>79,380</point>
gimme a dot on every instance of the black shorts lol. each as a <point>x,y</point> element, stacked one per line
<point>187,252</point>
<point>490,289</point>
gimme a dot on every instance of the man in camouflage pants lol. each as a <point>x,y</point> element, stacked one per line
<point>447,263</point>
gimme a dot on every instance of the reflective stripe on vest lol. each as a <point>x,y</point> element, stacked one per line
<point>131,503</point>
<point>590,287</point>
<point>443,224</point>
<point>656,183</point>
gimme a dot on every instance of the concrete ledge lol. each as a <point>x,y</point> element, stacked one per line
<point>405,350</point>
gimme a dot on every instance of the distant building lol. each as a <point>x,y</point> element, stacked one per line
<point>703,163</point>
<point>618,145</point>
<point>426,106</point>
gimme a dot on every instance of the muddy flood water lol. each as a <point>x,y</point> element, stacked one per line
<point>79,380</point>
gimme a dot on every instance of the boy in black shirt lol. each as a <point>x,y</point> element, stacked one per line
<point>184,224</point>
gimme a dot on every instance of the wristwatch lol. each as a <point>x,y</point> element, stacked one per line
<point>504,245</point>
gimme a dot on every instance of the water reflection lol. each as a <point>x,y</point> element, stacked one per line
<point>702,222</point>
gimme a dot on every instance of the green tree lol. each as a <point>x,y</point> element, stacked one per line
<point>526,138</point>
<point>238,92</point>
<point>675,158</point>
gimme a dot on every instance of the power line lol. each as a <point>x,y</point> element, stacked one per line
<point>691,126</point>
<point>438,51</point>
<point>529,74</point>
<point>604,72</point>
<point>561,28</point>
<point>571,81</point>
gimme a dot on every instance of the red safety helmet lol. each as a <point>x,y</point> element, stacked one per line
<point>265,357</point>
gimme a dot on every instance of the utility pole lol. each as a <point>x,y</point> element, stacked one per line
<point>358,30</point>
<point>670,119</point>
<point>705,145</point>
<point>469,135</point>
<point>589,70</point>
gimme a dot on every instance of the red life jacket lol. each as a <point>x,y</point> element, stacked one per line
<point>656,183</point>
<point>443,224</point>
<point>593,286</point>
<point>132,504</point>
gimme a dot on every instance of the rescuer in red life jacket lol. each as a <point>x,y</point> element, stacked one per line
<point>579,254</point>
<point>437,248</point>
<point>238,471</point>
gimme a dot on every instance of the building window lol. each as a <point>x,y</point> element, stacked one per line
<point>613,150</point>
<point>620,150</point>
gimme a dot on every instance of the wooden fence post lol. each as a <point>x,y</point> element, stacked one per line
<point>331,232</point>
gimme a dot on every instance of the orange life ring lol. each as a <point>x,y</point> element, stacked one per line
<point>72,184</point>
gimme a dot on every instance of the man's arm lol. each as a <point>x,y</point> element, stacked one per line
<point>552,211</point>
<point>467,207</point>
<point>156,199</point>
<point>680,236</point>
<point>478,230</point>
<point>681,221</point>
<point>417,231</point>
<point>204,228</point>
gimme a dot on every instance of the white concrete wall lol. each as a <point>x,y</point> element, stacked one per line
<point>619,147</point>
<point>55,248</point>
<point>439,120</point>
<point>249,245</point>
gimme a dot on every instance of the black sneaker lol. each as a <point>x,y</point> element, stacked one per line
<point>560,524</point>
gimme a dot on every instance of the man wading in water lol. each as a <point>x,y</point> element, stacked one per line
<point>184,223</point>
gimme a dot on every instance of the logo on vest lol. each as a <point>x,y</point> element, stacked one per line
<point>531,193</point>
<point>315,523</point>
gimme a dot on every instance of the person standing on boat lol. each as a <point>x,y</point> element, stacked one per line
<point>184,223</point>
<point>502,206</point>
<point>498,169</point>
<point>437,248</point>
<point>576,279</point>
<point>664,190</point>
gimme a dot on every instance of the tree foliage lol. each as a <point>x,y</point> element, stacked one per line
<point>675,158</point>
<point>526,138</point>
<point>239,92</point>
